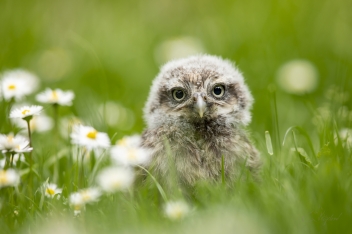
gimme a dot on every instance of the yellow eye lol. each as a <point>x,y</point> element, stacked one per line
<point>219,91</point>
<point>178,94</point>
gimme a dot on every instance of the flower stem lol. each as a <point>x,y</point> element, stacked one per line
<point>11,159</point>
<point>78,153</point>
<point>30,142</point>
<point>7,161</point>
<point>81,175</point>
<point>95,168</point>
<point>30,155</point>
<point>56,128</point>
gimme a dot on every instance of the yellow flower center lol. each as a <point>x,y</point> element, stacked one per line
<point>85,196</point>
<point>178,213</point>
<point>12,87</point>
<point>116,184</point>
<point>50,191</point>
<point>77,207</point>
<point>54,96</point>
<point>92,134</point>
<point>122,142</point>
<point>3,177</point>
<point>25,112</point>
<point>132,154</point>
<point>10,139</point>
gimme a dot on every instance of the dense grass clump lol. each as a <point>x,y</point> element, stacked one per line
<point>75,183</point>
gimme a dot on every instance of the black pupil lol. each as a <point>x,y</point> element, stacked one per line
<point>179,94</point>
<point>217,90</point>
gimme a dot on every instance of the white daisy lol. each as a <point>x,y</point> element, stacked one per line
<point>50,190</point>
<point>11,143</point>
<point>56,96</point>
<point>79,199</point>
<point>89,137</point>
<point>76,202</point>
<point>26,111</point>
<point>298,77</point>
<point>7,142</point>
<point>17,84</point>
<point>128,152</point>
<point>39,123</point>
<point>9,178</point>
<point>114,179</point>
<point>176,210</point>
<point>90,195</point>
<point>129,156</point>
<point>130,141</point>
<point>84,196</point>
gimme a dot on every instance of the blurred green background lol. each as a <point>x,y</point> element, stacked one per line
<point>112,50</point>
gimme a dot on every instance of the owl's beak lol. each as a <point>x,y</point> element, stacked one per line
<point>200,104</point>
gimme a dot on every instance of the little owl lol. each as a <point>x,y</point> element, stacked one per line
<point>195,114</point>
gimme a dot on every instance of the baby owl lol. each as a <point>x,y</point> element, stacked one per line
<point>195,114</point>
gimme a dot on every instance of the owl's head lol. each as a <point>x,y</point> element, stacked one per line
<point>198,88</point>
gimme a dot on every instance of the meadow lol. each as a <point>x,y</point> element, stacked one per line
<point>92,62</point>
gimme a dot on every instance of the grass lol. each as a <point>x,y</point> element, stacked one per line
<point>304,188</point>
<point>105,51</point>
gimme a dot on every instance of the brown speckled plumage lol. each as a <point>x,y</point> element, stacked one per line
<point>197,143</point>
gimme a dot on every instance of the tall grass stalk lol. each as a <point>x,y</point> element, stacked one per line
<point>56,142</point>
<point>275,118</point>
<point>161,190</point>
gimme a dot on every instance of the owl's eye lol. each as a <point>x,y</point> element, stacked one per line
<point>218,91</point>
<point>178,94</point>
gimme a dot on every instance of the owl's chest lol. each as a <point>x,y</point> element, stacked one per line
<point>196,155</point>
<point>197,149</point>
<point>197,158</point>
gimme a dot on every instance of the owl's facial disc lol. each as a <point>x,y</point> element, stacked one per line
<point>200,104</point>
